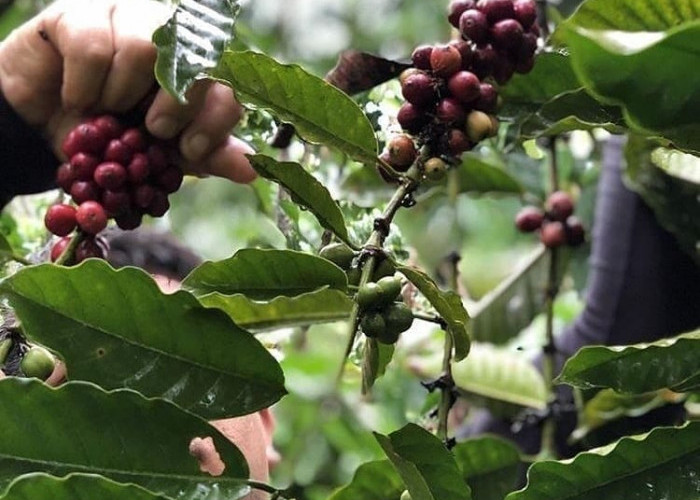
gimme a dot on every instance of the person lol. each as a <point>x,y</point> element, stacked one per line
<point>80,58</point>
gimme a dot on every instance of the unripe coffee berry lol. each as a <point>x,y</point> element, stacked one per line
<point>60,219</point>
<point>372,324</point>
<point>402,152</point>
<point>525,12</point>
<point>419,89</point>
<point>421,57</point>
<point>435,169</point>
<point>91,217</point>
<point>559,206</point>
<point>445,60</point>
<point>457,8</point>
<point>37,362</point>
<point>529,219</point>
<point>110,175</point>
<point>479,126</point>
<point>474,26</point>
<point>553,234</point>
<point>464,86</point>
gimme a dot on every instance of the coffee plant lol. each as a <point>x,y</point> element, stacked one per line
<point>338,317</point>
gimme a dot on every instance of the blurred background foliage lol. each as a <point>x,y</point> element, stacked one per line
<point>323,434</point>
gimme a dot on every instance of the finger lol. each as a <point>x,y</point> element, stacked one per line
<point>228,161</point>
<point>83,35</point>
<point>167,117</point>
<point>131,75</point>
<point>210,128</point>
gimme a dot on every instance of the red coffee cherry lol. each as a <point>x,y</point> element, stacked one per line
<point>60,219</point>
<point>496,10</point>
<point>170,179</point>
<point>142,195</point>
<point>118,152</point>
<point>553,234</point>
<point>450,111</point>
<point>445,60</point>
<point>464,86</point>
<point>458,142</point>
<point>457,8</point>
<point>85,138</point>
<point>116,202</point>
<point>159,204</point>
<point>134,138</point>
<point>65,176</point>
<point>525,12</point>
<point>525,66</point>
<point>139,169</point>
<point>575,233</point>
<point>412,118</point>
<point>527,48</point>
<point>419,89</point>
<point>421,57</point>
<point>91,217</point>
<point>402,152</point>
<point>474,26</point>
<point>89,248</point>
<point>84,165</point>
<point>504,70</point>
<point>109,126</point>
<point>507,34</point>
<point>82,191</point>
<point>110,175</point>
<point>559,206</point>
<point>59,247</point>
<point>529,219</point>
<point>465,51</point>
<point>488,98</point>
<point>485,59</point>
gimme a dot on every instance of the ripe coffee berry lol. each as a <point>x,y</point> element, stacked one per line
<point>488,98</point>
<point>134,139</point>
<point>507,34</point>
<point>139,169</point>
<point>529,219</point>
<point>445,60</point>
<point>84,165</point>
<point>91,217</point>
<point>89,248</point>
<point>525,12</point>
<point>159,203</point>
<point>465,86</point>
<point>458,142</point>
<point>109,126</point>
<point>115,202</point>
<point>474,26</point>
<point>412,118</point>
<point>485,59</point>
<point>465,52</point>
<point>60,219</point>
<point>59,247</point>
<point>119,152</point>
<point>450,111</point>
<point>110,175</point>
<point>170,179</point>
<point>575,233</point>
<point>85,138</point>
<point>402,152</point>
<point>65,176</point>
<point>496,10</point>
<point>419,89</point>
<point>553,234</point>
<point>457,8</point>
<point>559,206</point>
<point>421,57</point>
<point>82,191</point>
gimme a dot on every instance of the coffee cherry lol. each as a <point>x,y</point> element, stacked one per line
<point>485,60</point>
<point>474,26</point>
<point>553,234</point>
<point>488,98</point>
<point>139,169</point>
<point>458,142</point>
<point>115,202</point>
<point>65,176</point>
<point>525,66</point>
<point>389,290</point>
<point>354,276</point>
<point>110,175</point>
<point>525,12</point>
<point>134,139</point>
<point>421,57</point>
<point>60,219</point>
<point>408,72</point>
<point>157,158</point>
<point>372,324</point>
<point>384,268</point>
<point>170,179</point>
<point>109,126</point>
<point>575,233</point>
<point>435,169</point>
<point>507,34</point>
<point>527,48</point>
<point>559,206</point>
<point>118,152</point>
<point>464,86</point>
<point>465,52</point>
<point>450,111</point>
<point>84,165</point>
<point>445,60</point>
<point>504,70</point>
<point>398,317</point>
<point>89,248</point>
<point>59,247</point>
<point>457,8</point>
<point>91,217</point>
<point>339,254</point>
<point>159,204</point>
<point>529,219</point>
<point>402,152</point>
<point>411,118</point>
<point>496,10</point>
<point>128,220</point>
<point>82,191</point>
<point>142,195</point>
<point>368,296</point>
<point>419,89</point>
<point>479,126</point>
<point>37,362</point>
<point>85,138</point>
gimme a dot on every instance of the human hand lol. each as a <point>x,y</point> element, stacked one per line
<point>79,58</point>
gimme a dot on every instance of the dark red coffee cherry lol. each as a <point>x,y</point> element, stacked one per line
<point>157,158</point>
<point>450,111</point>
<point>507,34</point>
<point>60,219</point>
<point>139,169</point>
<point>465,52</point>
<point>142,195</point>
<point>553,234</point>
<point>170,179</point>
<point>525,12</point>
<point>419,89</point>
<point>421,57</point>
<point>159,204</point>
<point>109,126</point>
<point>89,249</point>
<point>529,219</point>
<point>129,220</point>
<point>527,47</point>
<point>458,142</point>
<point>504,70</point>
<point>65,176</point>
<point>559,206</point>
<point>110,175</point>
<point>411,118</point>
<point>488,98</point>
<point>85,138</point>
<point>59,247</point>
<point>115,202</point>
<point>474,26</point>
<point>496,10</point>
<point>457,8</point>
<point>485,59</point>
<point>91,217</point>
<point>118,151</point>
<point>134,138</point>
<point>82,191</point>
<point>445,60</point>
<point>84,166</point>
<point>575,233</point>
<point>464,86</point>
<point>402,152</point>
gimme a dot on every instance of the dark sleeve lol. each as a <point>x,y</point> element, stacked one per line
<point>27,161</point>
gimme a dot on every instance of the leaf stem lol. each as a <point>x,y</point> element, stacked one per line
<point>447,398</point>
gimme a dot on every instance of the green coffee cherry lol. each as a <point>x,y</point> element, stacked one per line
<point>388,337</point>
<point>390,289</point>
<point>435,169</point>
<point>384,269</point>
<point>354,276</point>
<point>38,362</point>
<point>5,346</point>
<point>373,324</point>
<point>369,296</point>
<point>398,317</point>
<point>339,254</point>
<point>406,495</point>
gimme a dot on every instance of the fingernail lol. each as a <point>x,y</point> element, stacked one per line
<point>197,145</point>
<point>164,127</point>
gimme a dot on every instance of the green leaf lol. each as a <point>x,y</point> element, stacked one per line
<point>117,329</point>
<point>6,251</point>
<point>266,274</point>
<point>478,176</point>
<point>74,487</point>
<point>492,374</point>
<point>448,305</point>
<point>427,468</point>
<point>623,69</point>
<point>489,465</point>
<point>661,464</point>
<point>669,182</point>
<point>305,191</point>
<point>192,41</point>
<point>372,481</point>
<point>320,112</point>
<point>376,357</point>
<point>635,15</point>
<point>79,427</point>
<point>668,363</point>
<point>322,306</point>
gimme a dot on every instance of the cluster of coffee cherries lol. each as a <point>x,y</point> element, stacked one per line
<point>451,90</point>
<point>556,224</point>
<point>113,172</point>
